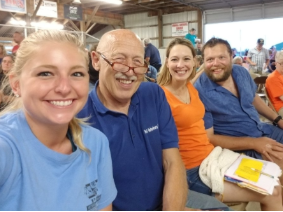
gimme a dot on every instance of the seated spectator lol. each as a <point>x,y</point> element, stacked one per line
<point>274,84</point>
<point>232,107</point>
<point>199,61</point>
<point>49,160</point>
<point>237,60</point>
<point>6,66</point>
<point>136,118</point>
<point>152,55</point>
<point>271,66</point>
<point>188,112</point>
<point>151,74</point>
<point>199,48</point>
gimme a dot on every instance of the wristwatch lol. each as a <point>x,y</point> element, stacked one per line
<point>275,121</point>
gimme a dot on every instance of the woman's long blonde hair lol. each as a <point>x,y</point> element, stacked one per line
<point>164,77</point>
<point>4,52</point>
<point>28,46</point>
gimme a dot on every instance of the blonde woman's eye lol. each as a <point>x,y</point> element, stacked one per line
<point>78,74</point>
<point>44,74</point>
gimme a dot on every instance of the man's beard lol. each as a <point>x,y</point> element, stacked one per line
<point>226,74</point>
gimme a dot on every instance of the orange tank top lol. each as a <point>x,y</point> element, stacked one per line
<point>194,145</point>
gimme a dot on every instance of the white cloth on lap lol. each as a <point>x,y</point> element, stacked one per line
<point>214,166</point>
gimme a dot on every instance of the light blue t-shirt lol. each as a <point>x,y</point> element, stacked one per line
<point>34,177</point>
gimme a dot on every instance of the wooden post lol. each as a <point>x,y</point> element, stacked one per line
<point>160,29</point>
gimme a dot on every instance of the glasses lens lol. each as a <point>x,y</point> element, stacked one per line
<point>123,68</point>
<point>120,67</point>
<point>140,70</point>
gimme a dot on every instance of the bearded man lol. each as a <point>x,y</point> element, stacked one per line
<point>233,107</point>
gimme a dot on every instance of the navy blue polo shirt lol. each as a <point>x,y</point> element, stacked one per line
<point>228,114</point>
<point>136,142</point>
<point>152,52</point>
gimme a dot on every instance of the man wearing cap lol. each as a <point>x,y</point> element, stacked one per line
<point>191,36</point>
<point>257,57</point>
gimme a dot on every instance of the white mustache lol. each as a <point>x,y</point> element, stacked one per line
<point>120,75</point>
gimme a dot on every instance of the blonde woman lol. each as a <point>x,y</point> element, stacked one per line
<point>188,112</point>
<point>50,160</point>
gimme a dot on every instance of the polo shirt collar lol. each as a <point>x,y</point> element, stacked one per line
<point>101,108</point>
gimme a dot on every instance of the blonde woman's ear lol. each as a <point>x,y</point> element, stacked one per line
<point>15,85</point>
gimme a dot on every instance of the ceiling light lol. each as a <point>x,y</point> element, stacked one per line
<point>77,2</point>
<point>118,2</point>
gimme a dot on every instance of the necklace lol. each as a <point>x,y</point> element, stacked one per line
<point>184,100</point>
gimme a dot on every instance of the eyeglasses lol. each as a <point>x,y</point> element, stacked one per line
<point>124,68</point>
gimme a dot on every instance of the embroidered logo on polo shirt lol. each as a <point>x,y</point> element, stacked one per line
<point>150,129</point>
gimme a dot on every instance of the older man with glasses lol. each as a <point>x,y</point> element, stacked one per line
<point>136,118</point>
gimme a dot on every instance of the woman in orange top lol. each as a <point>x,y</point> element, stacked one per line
<point>188,112</point>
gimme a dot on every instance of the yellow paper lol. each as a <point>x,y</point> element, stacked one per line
<point>249,169</point>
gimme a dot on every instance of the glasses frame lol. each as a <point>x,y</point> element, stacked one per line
<point>133,68</point>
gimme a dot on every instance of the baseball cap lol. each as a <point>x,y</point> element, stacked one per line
<point>260,41</point>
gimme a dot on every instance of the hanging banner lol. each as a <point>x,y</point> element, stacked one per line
<point>18,6</point>
<point>47,8</point>
<point>180,29</point>
<point>73,12</point>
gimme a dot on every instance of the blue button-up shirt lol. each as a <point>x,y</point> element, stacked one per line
<point>228,114</point>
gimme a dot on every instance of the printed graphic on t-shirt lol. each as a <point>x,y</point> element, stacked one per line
<point>91,192</point>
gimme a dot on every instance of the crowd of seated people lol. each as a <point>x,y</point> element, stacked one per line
<point>128,144</point>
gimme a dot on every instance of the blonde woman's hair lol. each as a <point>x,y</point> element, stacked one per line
<point>279,56</point>
<point>164,77</point>
<point>28,47</point>
<point>3,49</point>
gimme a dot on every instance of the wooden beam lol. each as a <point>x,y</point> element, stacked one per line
<point>160,29</point>
<point>65,1</point>
<point>200,25</point>
<point>74,25</point>
<point>105,20</point>
<point>6,39</point>
<point>90,27</point>
<point>65,21</point>
<point>82,26</point>
<point>16,18</point>
<point>36,9</point>
<point>92,15</point>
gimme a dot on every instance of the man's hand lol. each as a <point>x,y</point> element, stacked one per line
<point>253,64</point>
<point>268,147</point>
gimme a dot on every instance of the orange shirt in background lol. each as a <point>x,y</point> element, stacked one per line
<point>274,88</point>
<point>194,145</point>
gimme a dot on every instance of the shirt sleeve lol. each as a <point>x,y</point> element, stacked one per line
<point>275,87</point>
<point>105,172</point>
<point>249,54</point>
<point>6,161</point>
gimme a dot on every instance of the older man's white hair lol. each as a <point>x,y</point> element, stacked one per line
<point>146,41</point>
